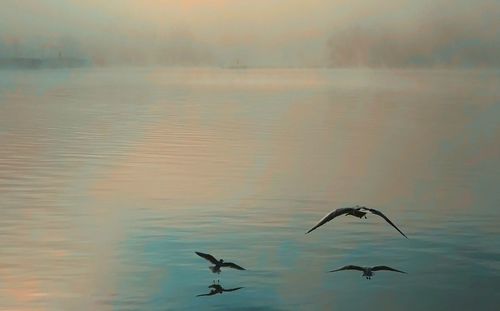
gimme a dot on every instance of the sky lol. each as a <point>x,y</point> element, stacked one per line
<point>298,33</point>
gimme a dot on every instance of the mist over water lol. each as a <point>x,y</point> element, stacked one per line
<point>110,179</point>
<point>134,133</point>
<point>224,33</point>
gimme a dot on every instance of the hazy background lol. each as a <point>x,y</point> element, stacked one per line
<point>257,33</point>
<point>112,176</point>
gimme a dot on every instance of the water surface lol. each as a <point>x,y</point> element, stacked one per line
<point>110,179</point>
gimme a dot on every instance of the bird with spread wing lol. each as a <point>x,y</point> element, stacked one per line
<point>368,272</point>
<point>218,264</point>
<point>357,211</point>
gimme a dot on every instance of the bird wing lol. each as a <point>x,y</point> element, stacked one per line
<point>207,257</point>
<point>209,294</point>
<point>378,268</point>
<point>328,217</point>
<point>349,267</point>
<point>379,213</point>
<point>232,289</point>
<point>232,265</point>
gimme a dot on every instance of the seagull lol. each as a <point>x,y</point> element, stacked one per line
<point>357,211</point>
<point>368,271</point>
<point>218,263</point>
<point>218,289</point>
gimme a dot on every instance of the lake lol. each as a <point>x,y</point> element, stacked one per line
<point>111,179</point>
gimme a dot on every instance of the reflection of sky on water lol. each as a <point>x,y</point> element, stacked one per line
<point>110,180</point>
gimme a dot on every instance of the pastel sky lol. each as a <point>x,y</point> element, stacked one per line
<point>272,32</point>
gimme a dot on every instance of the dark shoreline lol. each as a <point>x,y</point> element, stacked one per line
<point>40,63</point>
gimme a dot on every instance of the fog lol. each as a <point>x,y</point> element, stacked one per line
<point>254,33</point>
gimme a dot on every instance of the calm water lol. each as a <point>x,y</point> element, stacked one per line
<point>110,179</point>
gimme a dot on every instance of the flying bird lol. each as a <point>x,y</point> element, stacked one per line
<point>218,264</point>
<point>357,211</point>
<point>218,289</point>
<point>368,271</point>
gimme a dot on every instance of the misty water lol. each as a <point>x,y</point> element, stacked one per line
<point>111,179</point>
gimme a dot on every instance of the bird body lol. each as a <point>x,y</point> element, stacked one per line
<point>368,272</point>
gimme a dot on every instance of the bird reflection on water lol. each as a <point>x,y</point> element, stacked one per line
<point>216,288</point>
